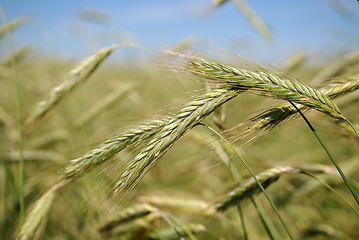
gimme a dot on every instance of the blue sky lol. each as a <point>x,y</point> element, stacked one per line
<point>307,25</point>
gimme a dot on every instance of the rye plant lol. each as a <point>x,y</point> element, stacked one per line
<point>185,171</point>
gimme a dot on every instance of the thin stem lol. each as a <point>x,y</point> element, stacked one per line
<point>245,233</point>
<point>19,122</point>
<point>333,190</point>
<point>236,175</point>
<point>260,214</point>
<point>255,178</point>
<point>6,185</point>
<point>328,153</point>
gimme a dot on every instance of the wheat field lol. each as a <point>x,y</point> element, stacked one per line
<point>192,143</point>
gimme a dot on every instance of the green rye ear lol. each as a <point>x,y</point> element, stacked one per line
<point>72,80</point>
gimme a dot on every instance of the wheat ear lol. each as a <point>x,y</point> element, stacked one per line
<point>5,118</point>
<point>178,232</point>
<point>188,117</point>
<point>38,212</point>
<point>295,62</point>
<point>274,116</point>
<point>263,82</point>
<point>321,231</point>
<point>110,147</point>
<point>143,224</point>
<point>12,25</point>
<point>341,85</point>
<point>182,204</point>
<point>250,187</point>
<point>337,67</point>
<point>250,16</point>
<point>76,76</point>
<point>125,216</point>
<point>19,55</point>
<point>112,98</point>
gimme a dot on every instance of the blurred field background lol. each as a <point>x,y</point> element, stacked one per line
<point>42,43</point>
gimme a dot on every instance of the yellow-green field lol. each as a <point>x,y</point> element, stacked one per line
<point>153,149</point>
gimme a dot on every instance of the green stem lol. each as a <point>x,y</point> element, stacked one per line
<point>19,123</point>
<point>328,153</point>
<point>235,174</point>
<point>6,192</point>
<point>245,233</point>
<point>260,214</point>
<point>256,179</point>
<point>333,190</point>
